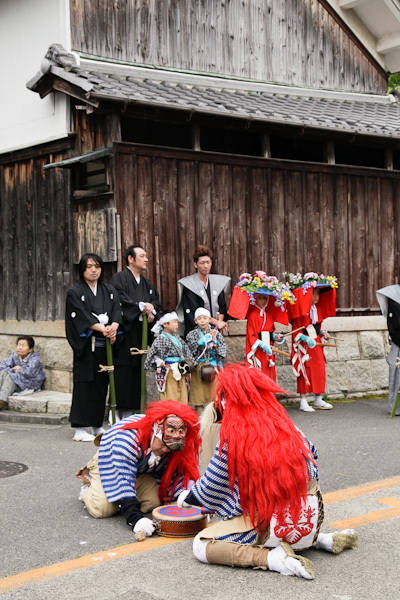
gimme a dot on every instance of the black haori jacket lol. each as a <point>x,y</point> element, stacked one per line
<point>80,306</point>
<point>131,293</point>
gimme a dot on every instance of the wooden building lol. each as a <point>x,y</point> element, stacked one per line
<point>258,128</point>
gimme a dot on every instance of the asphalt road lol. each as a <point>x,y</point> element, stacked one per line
<point>43,524</point>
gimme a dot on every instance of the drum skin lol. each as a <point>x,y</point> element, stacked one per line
<point>172,521</point>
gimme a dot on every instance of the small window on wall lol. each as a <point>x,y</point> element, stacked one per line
<point>360,156</point>
<point>230,141</point>
<point>94,176</point>
<point>145,131</point>
<point>294,148</point>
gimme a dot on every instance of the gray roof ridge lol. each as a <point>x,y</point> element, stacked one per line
<point>222,82</point>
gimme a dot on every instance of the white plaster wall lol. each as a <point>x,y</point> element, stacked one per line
<point>27,29</point>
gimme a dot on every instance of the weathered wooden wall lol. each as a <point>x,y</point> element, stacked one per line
<point>297,42</point>
<point>35,239</point>
<point>260,214</point>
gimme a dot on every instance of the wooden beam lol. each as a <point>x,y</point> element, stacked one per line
<point>265,146</point>
<point>329,152</point>
<point>389,159</point>
<point>347,4</point>
<point>196,145</point>
<point>388,43</point>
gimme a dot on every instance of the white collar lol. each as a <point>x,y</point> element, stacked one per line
<point>137,278</point>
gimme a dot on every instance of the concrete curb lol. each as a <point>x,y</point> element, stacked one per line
<point>9,416</point>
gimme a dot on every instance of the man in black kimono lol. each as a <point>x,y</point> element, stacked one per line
<point>389,302</point>
<point>203,290</point>
<point>138,296</point>
<point>93,313</point>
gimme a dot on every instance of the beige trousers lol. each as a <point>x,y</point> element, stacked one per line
<point>96,501</point>
<point>175,390</point>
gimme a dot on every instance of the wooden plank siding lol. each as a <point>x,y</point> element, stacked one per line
<point>255,213</point>
<point>274,215</point>
<point>35,233</point>
<point>301,42</point>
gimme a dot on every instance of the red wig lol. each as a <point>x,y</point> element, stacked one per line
<point>183,462</point>
<point>266,452</point>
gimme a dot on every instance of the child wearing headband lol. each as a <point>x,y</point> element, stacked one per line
<point>171,359</point>
<point>209,348</point>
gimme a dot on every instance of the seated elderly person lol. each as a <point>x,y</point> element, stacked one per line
<point>21,370</point>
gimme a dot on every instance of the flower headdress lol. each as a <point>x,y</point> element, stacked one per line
<point>309,280</point>
<point>261,283</point>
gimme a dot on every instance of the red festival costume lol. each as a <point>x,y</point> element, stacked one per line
<point>259,320</point>
<point>309,362</point>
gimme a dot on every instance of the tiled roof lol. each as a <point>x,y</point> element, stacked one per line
<point>330,110</point>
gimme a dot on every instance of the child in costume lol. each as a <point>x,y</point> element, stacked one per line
<point>208,347</point>
<point>316,296</point>
<point>263,304</point>
<point>262,482</point>
<point>171,359</point>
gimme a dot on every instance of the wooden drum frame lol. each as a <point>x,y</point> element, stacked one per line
<point>172,521</point>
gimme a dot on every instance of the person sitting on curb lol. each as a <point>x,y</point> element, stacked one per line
<point>21,371</point>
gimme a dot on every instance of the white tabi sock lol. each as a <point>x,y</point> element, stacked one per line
<point>305,406</point>
<point>97,430</point>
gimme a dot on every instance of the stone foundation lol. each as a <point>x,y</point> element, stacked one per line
<point>356,367</point>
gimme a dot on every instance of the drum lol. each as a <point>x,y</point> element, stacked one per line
<point>207,373</point>
<point>172,521</point>
<point>186,366</point>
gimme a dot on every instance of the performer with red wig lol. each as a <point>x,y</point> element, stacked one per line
<point>262,481</point>
<point>143,462</point>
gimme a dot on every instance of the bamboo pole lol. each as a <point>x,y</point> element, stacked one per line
<point>143,390</point>
<point>395,405</point>
<point>293,331</point>
<point>279,351</point>
<point>113,403</point>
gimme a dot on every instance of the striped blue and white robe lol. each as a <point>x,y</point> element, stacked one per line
<point>121,459</point>
<point>213,492</point>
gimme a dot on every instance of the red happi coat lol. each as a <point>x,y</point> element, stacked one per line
<point>299,316</point>
<point>257,321</point>
<point>315,367</point>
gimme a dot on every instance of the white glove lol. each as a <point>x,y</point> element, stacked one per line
<point>279,561</point>
<point>146,525</point>
<point>181,499</point>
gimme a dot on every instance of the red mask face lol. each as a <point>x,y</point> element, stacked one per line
<point>174,432</point>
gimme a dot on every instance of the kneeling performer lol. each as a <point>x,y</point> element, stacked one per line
<point>142,462</point>
<point>262,481</point>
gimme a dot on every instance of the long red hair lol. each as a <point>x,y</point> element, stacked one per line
<point>184,462</point>
<point>266,452</point>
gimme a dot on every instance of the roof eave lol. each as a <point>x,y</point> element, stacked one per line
<point>192,110</point>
